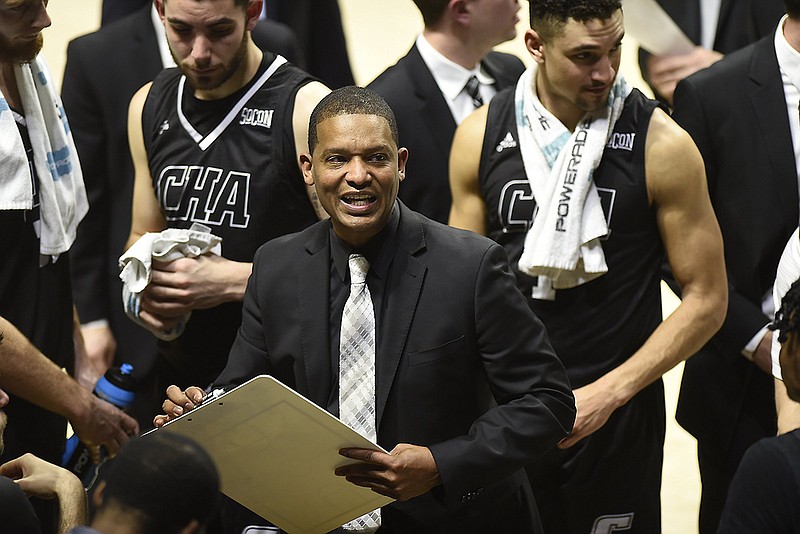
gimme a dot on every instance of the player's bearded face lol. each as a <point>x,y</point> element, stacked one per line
<point>21,25</point>
<point>20,51</point>
<point>206,74</point>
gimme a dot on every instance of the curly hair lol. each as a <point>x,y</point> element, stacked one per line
<point>787,318</point>
<point>548,17</point>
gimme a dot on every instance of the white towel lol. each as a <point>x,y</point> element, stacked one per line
<point>62,195</point>
<point>165,246</point>
<point>563,247</point>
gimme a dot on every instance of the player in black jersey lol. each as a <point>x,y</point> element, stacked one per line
<point>42,200</point>
<point>603,313</point>
<point>220,150</point>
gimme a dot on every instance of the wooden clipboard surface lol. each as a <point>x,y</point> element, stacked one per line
<point>276,453</point>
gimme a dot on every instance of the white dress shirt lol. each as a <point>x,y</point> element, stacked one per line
<point>452,78</point>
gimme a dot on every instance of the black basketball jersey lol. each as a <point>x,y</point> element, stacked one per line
<point>37,300</point>
<point>231,165</point>
<point>598,325</point>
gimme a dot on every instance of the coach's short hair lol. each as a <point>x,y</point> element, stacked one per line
<point>350,100</point>
<point>166,480</point>
<point>548,17</point>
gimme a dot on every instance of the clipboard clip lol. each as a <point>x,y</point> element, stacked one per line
<point>211,396</point>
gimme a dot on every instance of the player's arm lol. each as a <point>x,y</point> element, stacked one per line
<point>42,479</point>
<point>468,210</point>
<point>29,374</point>
<point>678,192</point>
<point>146,214</point>
<point>304,103</point>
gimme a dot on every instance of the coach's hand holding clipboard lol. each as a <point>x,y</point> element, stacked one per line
<point>290,461</point>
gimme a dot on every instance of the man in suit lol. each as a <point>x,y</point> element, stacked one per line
<point>463,387</point>
<point>427,89</point>
<point>717,28</point>
<point>97,87</point>
<point>319,30</point>
<point>749,149</point>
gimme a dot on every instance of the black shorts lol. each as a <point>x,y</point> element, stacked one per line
<point>611,480</point>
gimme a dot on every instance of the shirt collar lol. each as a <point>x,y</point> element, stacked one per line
<point>788,57</point>
<point>375,251</point>
<point>449,76</point>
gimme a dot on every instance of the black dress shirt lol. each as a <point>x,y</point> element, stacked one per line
<point>380,261</point>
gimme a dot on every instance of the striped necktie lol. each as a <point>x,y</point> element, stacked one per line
<point>357,370</point>
<point>473,90</point>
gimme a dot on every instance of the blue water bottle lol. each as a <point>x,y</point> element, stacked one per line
<point>118,387</point>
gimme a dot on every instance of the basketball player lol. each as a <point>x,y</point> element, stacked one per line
<point>603,313</point>
<point>215,142</point>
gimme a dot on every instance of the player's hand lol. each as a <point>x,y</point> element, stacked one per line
<point>666,71</point>
<point>39,478</point>
<point>178,403</point>
<point>594,404</point>
<point>187,284</point>
<point>406,472</point>
<point>100,346</point>
<point>104,424</point>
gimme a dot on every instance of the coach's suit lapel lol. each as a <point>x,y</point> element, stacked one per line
<point>429,100</point>
<point>401,295</point>
<point>768,101</point>
<point>314,281</point>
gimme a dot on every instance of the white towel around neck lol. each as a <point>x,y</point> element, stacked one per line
<point>563,246</point>
<point>62,195</point>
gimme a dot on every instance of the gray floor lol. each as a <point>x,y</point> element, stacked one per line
<point>379,32</point>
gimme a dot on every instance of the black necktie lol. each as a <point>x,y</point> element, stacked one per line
<point>473,90</point>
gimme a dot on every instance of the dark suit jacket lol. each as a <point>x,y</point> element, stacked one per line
<point>426,125</point>
<point>103,71</point>
<point>740,23</point>
<point>463,367</point>
<point>319,30</point>
<point>736,113</point>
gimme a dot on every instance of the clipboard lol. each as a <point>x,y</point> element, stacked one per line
<point>656,32</point>
<point>276,452</point>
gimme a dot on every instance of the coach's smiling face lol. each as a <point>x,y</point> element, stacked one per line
<point>356,169</point>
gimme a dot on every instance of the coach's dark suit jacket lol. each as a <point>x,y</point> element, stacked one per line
<point>736,113</point>
<point>462,365</point>
<point>740,23</point>
<point>427,126</point>
<point>104,69</point>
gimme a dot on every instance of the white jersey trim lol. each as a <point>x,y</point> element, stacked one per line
<point>207,141</point>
